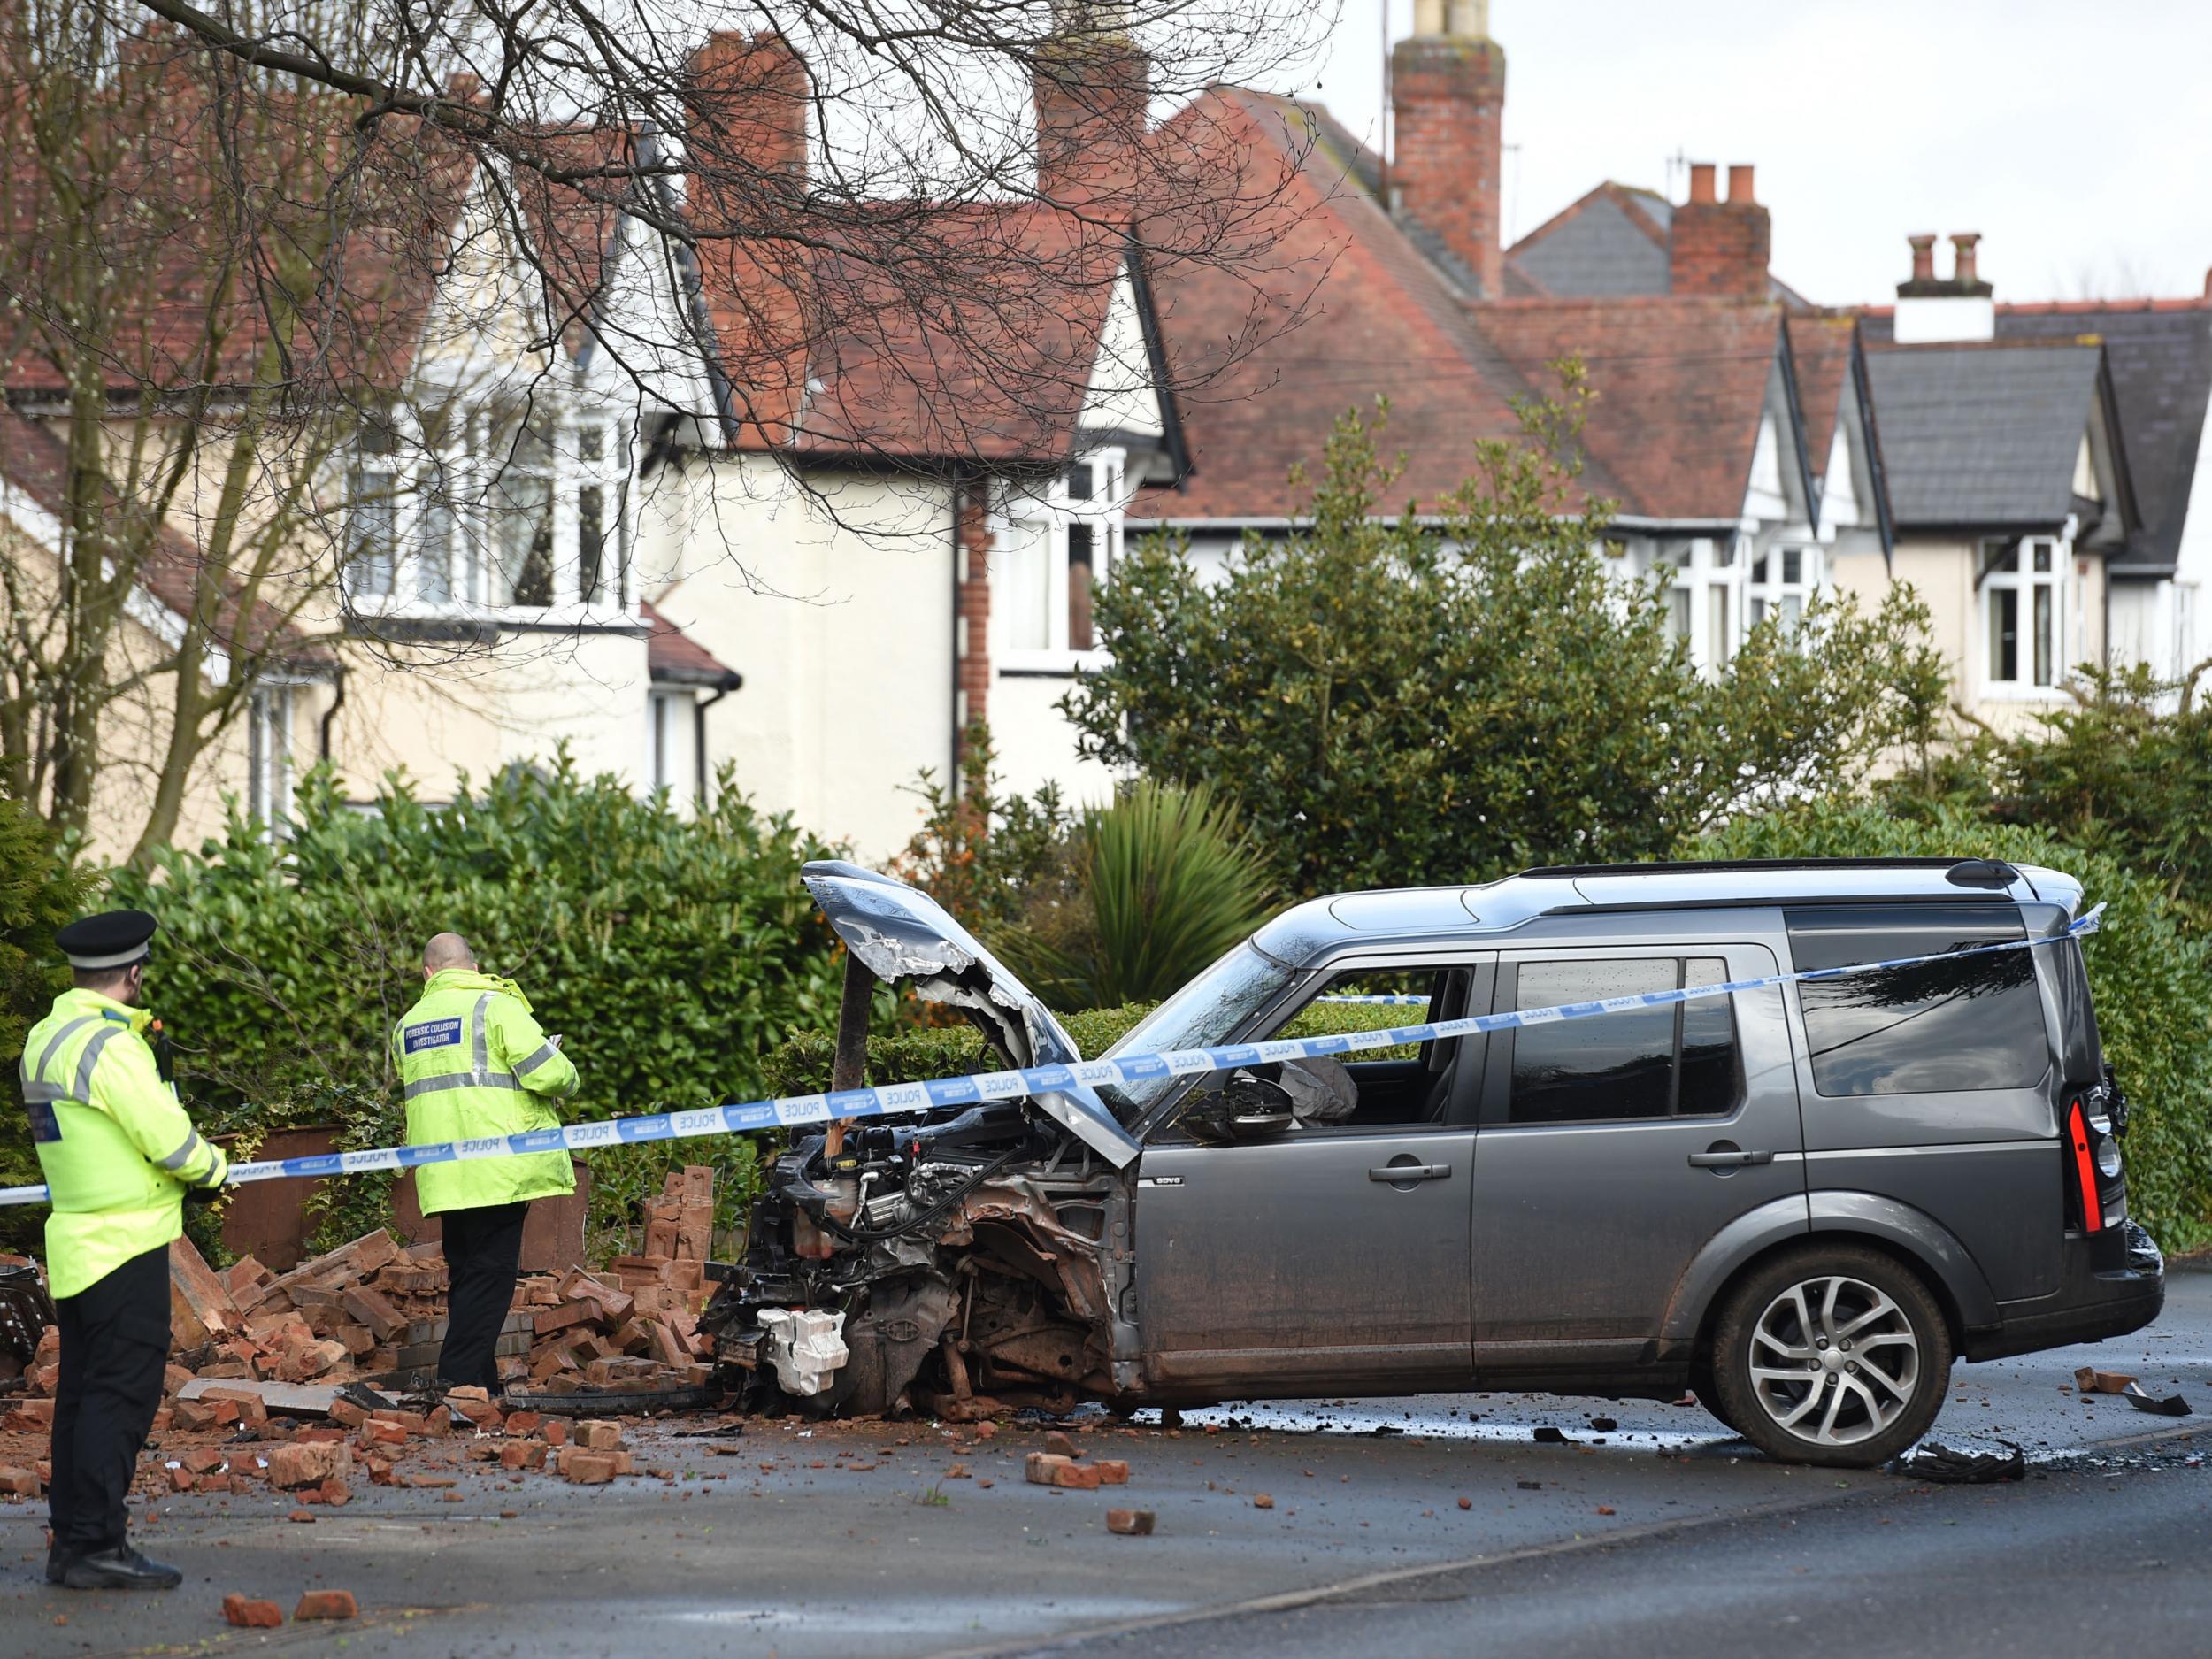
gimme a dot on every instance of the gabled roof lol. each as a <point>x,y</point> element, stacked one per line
<point>1611,241</point>
<point>1346,307</point>
<point>35,461</point>
<point>2159,355</point>
<point>1984,434</point>
<point>1821,345</point>
<point>1681,389</point>
<point>672,657</point>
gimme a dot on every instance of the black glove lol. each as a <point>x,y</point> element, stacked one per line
<point>202,1194</point>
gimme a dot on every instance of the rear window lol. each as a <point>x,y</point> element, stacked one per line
<point>1973,1024</point>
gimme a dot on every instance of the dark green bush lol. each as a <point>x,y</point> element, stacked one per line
<point>2151,975</point>
<point>39,892</point>
<point>669,953</point>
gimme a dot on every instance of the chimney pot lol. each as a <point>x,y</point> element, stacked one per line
<point>1701,181</point>
<point>1720,248</point>
<point>1962,257</point>
<point>1739,185</point>
<point>1922,257</point>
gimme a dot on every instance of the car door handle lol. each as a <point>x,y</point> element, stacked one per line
<point>1412,1173</point>
<point>1730,1159</point>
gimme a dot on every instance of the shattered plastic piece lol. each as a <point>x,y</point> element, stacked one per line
<point>1939,1463</point>
<point>2159,1405</point>
<point>808,1347</point>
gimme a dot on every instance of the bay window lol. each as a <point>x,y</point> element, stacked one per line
<point>1704,596</point>
<point>1783,582</point>
<point>501,506</point>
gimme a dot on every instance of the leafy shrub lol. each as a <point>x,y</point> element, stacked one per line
<point>669,953</point>
<point>2151,976</point>
<point>977,851</point>
<point>1154,885</point>
<point>39,893</point>
<point>1395,700</point>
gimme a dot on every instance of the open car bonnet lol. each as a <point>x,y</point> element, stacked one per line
<point>900,932</point>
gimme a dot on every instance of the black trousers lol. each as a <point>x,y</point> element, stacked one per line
<point>114,1345</point>
<point>483,1249</point>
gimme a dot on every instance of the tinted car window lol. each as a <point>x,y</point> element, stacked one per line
<point>1640,1063</point>
<point>1973,1024</point>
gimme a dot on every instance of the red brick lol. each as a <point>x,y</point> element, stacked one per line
<point>1050,1469</point>
<point>325,1604</point>
<point>311,1464</point>
<point>588,1469</point>
<point>1130,1522</point>
<point>250,1615</point>
<point>1112,1471</point>
<point>599,1437</point>
<point>18,1483</point>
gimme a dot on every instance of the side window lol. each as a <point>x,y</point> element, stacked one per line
<point>1973,1024</point>
<point>1675,1060</point>
<point>1408,1086</point>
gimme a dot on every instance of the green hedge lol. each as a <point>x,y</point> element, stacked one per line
<point>39,893</point>
<point>671,953</point>
<point>2151,975</point>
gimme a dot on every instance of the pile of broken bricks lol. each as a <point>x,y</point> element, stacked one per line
<point>1062,1464</point>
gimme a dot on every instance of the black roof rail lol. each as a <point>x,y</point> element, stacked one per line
<point>1548,873</point>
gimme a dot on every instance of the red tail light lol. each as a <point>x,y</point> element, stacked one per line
<point>2085,1171</point>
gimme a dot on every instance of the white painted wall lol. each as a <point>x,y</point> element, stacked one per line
<point>835,602</point>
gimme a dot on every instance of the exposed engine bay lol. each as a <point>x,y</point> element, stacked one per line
<point>956,1262</point>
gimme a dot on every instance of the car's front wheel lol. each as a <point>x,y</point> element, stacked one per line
<point>1835,1354</point>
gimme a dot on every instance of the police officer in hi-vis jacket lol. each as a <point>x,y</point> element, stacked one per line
<point>121,1158</point>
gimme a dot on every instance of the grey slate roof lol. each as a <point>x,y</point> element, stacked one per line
<point>1600,250</point>
<point>2160,364</point>
<point>1982,434</point>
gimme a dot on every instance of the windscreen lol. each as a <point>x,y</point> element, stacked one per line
<point>1204,1013</point>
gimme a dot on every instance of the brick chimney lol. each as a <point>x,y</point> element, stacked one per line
<point>747,108</point>
<point>1447,100</point>
<point>1715,247</point>
<point>1091,85</point>
<point>1932,310</point>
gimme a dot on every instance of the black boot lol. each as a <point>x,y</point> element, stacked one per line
<point>122,1568</point>
<point>56,1565</point>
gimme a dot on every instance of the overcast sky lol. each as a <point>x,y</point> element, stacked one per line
<point>2077,138</point>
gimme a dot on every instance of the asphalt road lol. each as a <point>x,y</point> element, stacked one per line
<point>1656,1535</point>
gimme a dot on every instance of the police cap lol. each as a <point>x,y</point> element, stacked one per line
<point>113,939</point>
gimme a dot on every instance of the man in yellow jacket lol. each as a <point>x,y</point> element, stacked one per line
<point>475,1064</point>
<point>119,1157</point>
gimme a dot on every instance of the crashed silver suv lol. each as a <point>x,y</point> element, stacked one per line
<point>1804,1202</point>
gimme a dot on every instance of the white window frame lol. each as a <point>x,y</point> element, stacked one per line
<point>1767,586</point>
<point>1047,515</point>
<point>2044,564</point>
<point>455,482</point>
<point>269,755</point>
<point>1708,585</point>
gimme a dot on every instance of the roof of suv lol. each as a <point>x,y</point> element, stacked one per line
<point>1411,912</point>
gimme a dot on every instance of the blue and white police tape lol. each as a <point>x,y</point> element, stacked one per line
<point>890,1100</point>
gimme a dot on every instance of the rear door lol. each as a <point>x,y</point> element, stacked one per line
<point>1614,1147</point>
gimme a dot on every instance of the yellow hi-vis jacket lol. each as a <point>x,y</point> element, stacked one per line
<point>116,1149</point>
<point>474,1064</point>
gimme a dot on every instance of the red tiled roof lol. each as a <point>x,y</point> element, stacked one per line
<point>1820,347</point>
<point>34,460</point>
<point>1346,309</point>
<point>978,340</point>
<point>1340,310</point>
<point>673,654</point>
<point>1681,389</point>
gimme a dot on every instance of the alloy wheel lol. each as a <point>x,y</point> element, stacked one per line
<point>1834,1361</point>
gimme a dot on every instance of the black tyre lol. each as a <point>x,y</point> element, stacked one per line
<point>1835,1354</point>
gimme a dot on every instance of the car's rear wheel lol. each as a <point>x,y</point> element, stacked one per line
<point>1836,1355</point>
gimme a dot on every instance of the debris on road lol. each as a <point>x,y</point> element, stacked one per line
<point>325,1604</point>
<point>2159,1405</point>
<point>1130,1522</point>
<point>1939,1463</point>
<point>249,1614</point>
<point>2090,1380</point>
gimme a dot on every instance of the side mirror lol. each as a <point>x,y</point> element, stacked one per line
<point>1258,1108</point>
